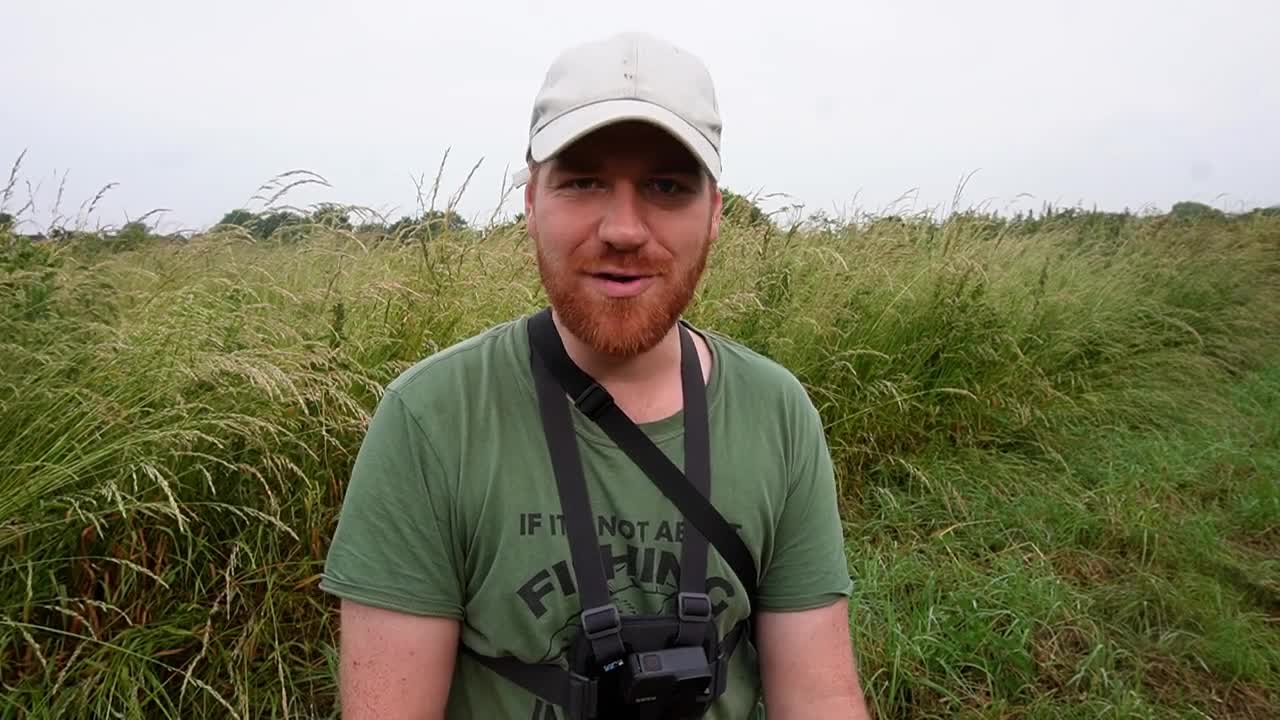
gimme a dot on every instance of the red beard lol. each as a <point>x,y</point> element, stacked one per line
<point>621,327</point>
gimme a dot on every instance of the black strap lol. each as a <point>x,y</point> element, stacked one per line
<point>554,374</point>
<point>555,685</point>
<point>573,692</point>
<point>600,618</point>
<point>693,606</point>
<point>596,403</point>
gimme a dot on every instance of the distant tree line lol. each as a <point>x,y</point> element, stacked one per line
<point>286,225</point>
<point>282,224</point>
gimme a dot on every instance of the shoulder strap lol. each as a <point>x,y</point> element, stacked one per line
<point>599,617</point>
<point>693,607</point>
<point>597,404</point>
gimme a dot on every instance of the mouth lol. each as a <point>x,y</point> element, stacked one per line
<point>621,284</point>
<point>619,277</point>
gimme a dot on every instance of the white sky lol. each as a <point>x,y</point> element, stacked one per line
<point>844,106</point>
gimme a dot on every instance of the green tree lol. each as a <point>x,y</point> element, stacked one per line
<point>1194,211</point>
<point>263,226</point>
<point>432,224</point>
<point>439,220</point>
<point>239,217</point>
<point>739,208</point>
<point>132,235</point>
<point>332,216</point>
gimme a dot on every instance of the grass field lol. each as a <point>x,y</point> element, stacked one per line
<point>1057,442</point>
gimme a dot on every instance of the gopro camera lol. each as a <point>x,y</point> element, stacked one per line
<point>680,672</point>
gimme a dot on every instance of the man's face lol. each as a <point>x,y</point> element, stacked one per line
<point>623,221</point>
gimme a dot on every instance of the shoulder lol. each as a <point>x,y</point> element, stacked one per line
<point>744,367</point>
<point>768,397</point>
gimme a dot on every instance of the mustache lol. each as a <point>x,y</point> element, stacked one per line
<point>623,265</point>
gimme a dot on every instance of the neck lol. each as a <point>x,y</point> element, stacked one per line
<point>647,386</point>
<point>653,366</point>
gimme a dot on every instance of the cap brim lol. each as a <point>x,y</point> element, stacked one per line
<point>568,128</point>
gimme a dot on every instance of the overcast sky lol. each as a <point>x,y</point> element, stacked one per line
<point>843,106</point>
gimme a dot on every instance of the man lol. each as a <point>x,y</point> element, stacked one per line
<point>451,546</point>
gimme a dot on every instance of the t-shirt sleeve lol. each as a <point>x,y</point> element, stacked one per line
<point>808,567</point>
<point>392,547</point>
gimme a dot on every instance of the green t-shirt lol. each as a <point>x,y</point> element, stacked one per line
<point>452,509</point>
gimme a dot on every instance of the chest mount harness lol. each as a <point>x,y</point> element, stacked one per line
<point>632,667</point>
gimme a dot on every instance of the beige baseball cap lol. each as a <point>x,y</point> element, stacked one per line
<point>628,76</point>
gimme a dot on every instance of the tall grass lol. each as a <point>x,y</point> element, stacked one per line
<point>1056,450</point>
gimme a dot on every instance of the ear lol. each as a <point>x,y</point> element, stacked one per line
<point>717,207</point>
<point>529,193</point>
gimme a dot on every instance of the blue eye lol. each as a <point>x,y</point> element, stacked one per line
<point>581,183</point>
<point>667,186</point>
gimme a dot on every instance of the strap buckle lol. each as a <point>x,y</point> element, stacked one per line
<point>603,627</point>
<point>693,607</point>
<point>694,611</point>
<point>597,622</point>
<point>593,401</point>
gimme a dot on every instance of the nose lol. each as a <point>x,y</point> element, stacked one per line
<point>622,226</point>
